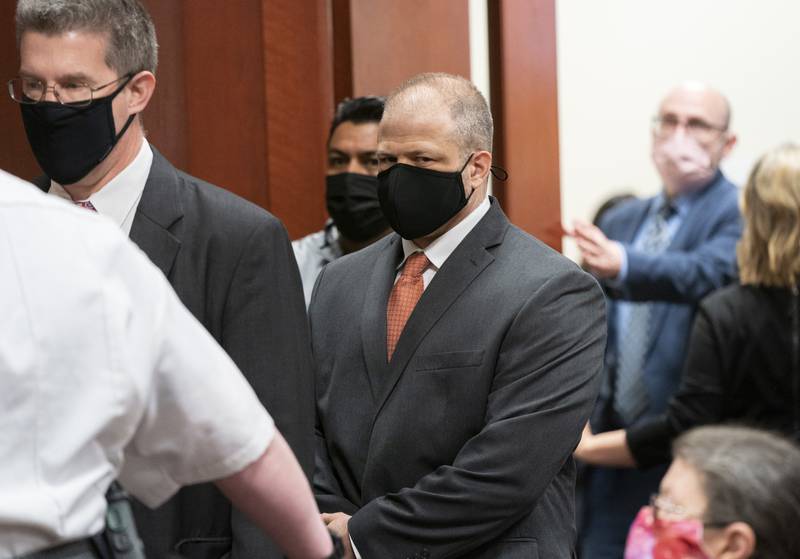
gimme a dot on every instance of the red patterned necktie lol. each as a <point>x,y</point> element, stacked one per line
<point>405,294</point>
<point>86,204</point>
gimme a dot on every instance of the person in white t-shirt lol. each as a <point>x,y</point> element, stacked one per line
<point>96,354</point>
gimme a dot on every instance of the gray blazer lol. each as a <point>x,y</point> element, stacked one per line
<point>231,264</point>
<point>462,445</point>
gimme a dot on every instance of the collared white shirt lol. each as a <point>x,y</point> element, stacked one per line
<point>120,197</point>
<point>442,247</point>
<point>103,375</point>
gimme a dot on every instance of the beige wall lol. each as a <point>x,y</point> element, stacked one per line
<point>616,58</point>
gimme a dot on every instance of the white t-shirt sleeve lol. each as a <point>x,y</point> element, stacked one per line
<point>201,420</point>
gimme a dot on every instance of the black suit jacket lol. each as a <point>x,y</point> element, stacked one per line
<point>462,445</point>
<point>740,368</point>
<point>232,265</point>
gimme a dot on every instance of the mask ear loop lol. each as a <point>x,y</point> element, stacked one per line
<point>499,173</point>
<point>466,162</point>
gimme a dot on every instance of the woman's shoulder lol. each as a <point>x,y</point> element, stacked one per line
<point>741,302</point>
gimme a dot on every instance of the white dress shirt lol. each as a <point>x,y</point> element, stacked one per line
<point>120,197</point>
<point>103,375</point>
<point>441,248</point>
<point>438,252</point>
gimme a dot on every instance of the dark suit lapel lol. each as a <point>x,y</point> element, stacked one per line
<point>466,262</point>
<point>373,320</point>
<point>159,209</point>
<point>630,227</point>
<point>702,207</point>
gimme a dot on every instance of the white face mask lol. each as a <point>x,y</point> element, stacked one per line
<point>684,165</point>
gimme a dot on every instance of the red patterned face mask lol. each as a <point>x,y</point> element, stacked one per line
<point>657,538</point>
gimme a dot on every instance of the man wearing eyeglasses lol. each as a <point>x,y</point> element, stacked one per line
<point>87,71</point>
<point>656,259</point>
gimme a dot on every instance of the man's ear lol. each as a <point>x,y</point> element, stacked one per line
<point>738,541</point>
<point>481,166</point>
<point>141,89</point>
<point>730,141</point>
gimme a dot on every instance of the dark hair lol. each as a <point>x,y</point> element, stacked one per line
<point>749,476</point>
<point>358,111</point>
<point>132,45</point>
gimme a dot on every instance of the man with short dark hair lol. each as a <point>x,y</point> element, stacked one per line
<point>351,190</point>
<point>456,360</point>
<point>86,74</point>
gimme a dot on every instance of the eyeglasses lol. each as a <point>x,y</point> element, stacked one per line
<point>30,91</point>
<point>699,129</point>
<point>666,510</point>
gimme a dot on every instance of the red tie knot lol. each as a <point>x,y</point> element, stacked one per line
<point>415,265</point>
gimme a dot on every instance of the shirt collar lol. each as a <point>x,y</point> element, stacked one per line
<point>683,202</point>
<point>441,248</point>
<point>118,197</point>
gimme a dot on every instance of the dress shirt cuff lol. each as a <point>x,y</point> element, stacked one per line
<point>617,281</point>
<point>355,551</point>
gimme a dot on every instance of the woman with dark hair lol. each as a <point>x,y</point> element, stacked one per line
<point>742,363</point>
<point>731,492</point>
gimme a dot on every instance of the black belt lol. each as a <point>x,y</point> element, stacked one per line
<point>83,549</point>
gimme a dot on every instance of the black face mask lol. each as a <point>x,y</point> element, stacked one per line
<point>352,201</point>
<point>69,142</point>
<point>418,201</point>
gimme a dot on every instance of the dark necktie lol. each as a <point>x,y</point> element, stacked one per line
<point>405,294</point>
<point>630,392</point>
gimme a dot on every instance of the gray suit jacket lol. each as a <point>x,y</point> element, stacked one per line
<point>231,264</point>
<point>462,445</point>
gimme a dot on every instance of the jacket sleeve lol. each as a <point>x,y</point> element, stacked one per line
<point>327,491</point>
<point>545,383</point>
<point>699,400</point>
<point>265,331</point>
<point>685,276</point>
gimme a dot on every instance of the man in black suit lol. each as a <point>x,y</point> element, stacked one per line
<point>456,360</point>
<point>86,73</point>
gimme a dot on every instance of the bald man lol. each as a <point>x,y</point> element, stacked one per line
<point>456,358</point>
<point>657,258</point>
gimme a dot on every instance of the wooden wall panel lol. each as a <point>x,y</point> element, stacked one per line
<point>224,98</point>
<point>164,124</point>
<point>342,34</point>
<point>15,153</point>
<point>298,82</point>
<point>391,41</point>
<point>525,107</point>
<point>258,100</point>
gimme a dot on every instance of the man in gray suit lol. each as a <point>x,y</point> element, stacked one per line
<point>457,359</point>
<point>87,71</point>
